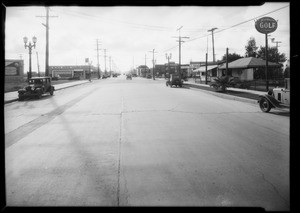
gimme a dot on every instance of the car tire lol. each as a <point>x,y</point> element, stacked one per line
<point>264,105</point>
<point>20,98</point>
<point>51,91</point>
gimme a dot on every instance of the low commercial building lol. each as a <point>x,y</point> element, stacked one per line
<point>81,71</point>
<point>244,68</point>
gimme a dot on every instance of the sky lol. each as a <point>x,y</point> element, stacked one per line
<point>127,35</point>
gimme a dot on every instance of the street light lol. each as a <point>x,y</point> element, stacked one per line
<point>34,40</point>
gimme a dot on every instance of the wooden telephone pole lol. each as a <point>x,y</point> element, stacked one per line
<point>47,39</point>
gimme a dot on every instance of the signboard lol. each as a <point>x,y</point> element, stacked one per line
<point>13,67</point>
<point>266,25</point>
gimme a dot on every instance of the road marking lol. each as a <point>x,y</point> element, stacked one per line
<point>21,132</point>
<point>120,140</point>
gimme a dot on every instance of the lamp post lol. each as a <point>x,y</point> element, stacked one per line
<point>34,40</point>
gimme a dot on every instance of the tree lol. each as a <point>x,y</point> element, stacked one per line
<point>231,57</point>
<point>251,48</point>
<point>275,57</point>
<point>273,54</point>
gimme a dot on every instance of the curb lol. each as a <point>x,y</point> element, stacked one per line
<point>221,95</point>
<point>16,99</point>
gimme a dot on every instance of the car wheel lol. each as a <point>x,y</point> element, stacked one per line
<point>180,85</point>
<point>171,85</point>
<point>264,105</point>
<point>20,98</point>
<point>51,91</point>
<point>39,95</point>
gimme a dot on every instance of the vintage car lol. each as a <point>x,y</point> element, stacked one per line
<point>128,77</point>
<point>278,98</point>
<point>37,86</point>
<point>174,79</point>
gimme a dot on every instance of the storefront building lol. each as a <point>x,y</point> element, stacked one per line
<point>81,71</point>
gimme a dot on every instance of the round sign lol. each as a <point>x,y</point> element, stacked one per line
<point>266,25</point>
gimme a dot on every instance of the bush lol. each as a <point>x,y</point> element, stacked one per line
<point>221,83</point>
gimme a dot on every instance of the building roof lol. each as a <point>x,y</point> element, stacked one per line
<point>249,62</point>
<point>203,68</point>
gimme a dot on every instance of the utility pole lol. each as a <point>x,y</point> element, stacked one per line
<point>47,40</point>
<point>153,72</point>
<point>272,39</point>
<point>98,65</point>
<point>168,57</point>
<point>226,61</point>
<point>266,70</point>
<point>212,34</point>
<point>38,66</point>
<point>180,41</point>
<point>105,61</point>
<point>206,68</point>
<point>110,65</point>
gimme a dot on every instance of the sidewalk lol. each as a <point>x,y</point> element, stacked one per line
<point>249,96</point>
<point>13,96</point>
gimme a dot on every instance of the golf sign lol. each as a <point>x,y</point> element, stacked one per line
<point>266,25</point>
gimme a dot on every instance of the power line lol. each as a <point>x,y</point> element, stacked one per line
<point>240,23</point>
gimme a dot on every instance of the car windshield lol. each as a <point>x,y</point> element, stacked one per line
<point>35,81</point>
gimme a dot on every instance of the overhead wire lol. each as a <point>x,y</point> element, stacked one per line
<point>221,30</point>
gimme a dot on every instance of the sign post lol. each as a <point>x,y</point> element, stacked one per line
<point>266,25</point>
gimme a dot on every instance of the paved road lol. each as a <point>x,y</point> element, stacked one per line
<point>117,142</point>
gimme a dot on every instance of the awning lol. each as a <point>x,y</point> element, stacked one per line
<point>202,69</point>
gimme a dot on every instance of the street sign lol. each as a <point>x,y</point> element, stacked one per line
<point>266,25</point>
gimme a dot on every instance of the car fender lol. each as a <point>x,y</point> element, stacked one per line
<point>272,100</point>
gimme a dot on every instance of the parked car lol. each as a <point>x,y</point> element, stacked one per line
<point>37,86</point>
<point>278,98</point>
<point>175,79</point>
<point>128,77</point>
<point>149,76</point>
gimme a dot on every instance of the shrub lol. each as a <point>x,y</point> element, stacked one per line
<point>221,83</point>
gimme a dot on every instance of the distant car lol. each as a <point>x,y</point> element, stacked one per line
<point>37,86</point>
<point>149,76</point>
<point>278,98</point>
<point>175,79</point>
<point>134,75</point>
<point>128,77</point>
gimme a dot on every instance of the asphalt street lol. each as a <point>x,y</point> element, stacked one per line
<point>118,142</point>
